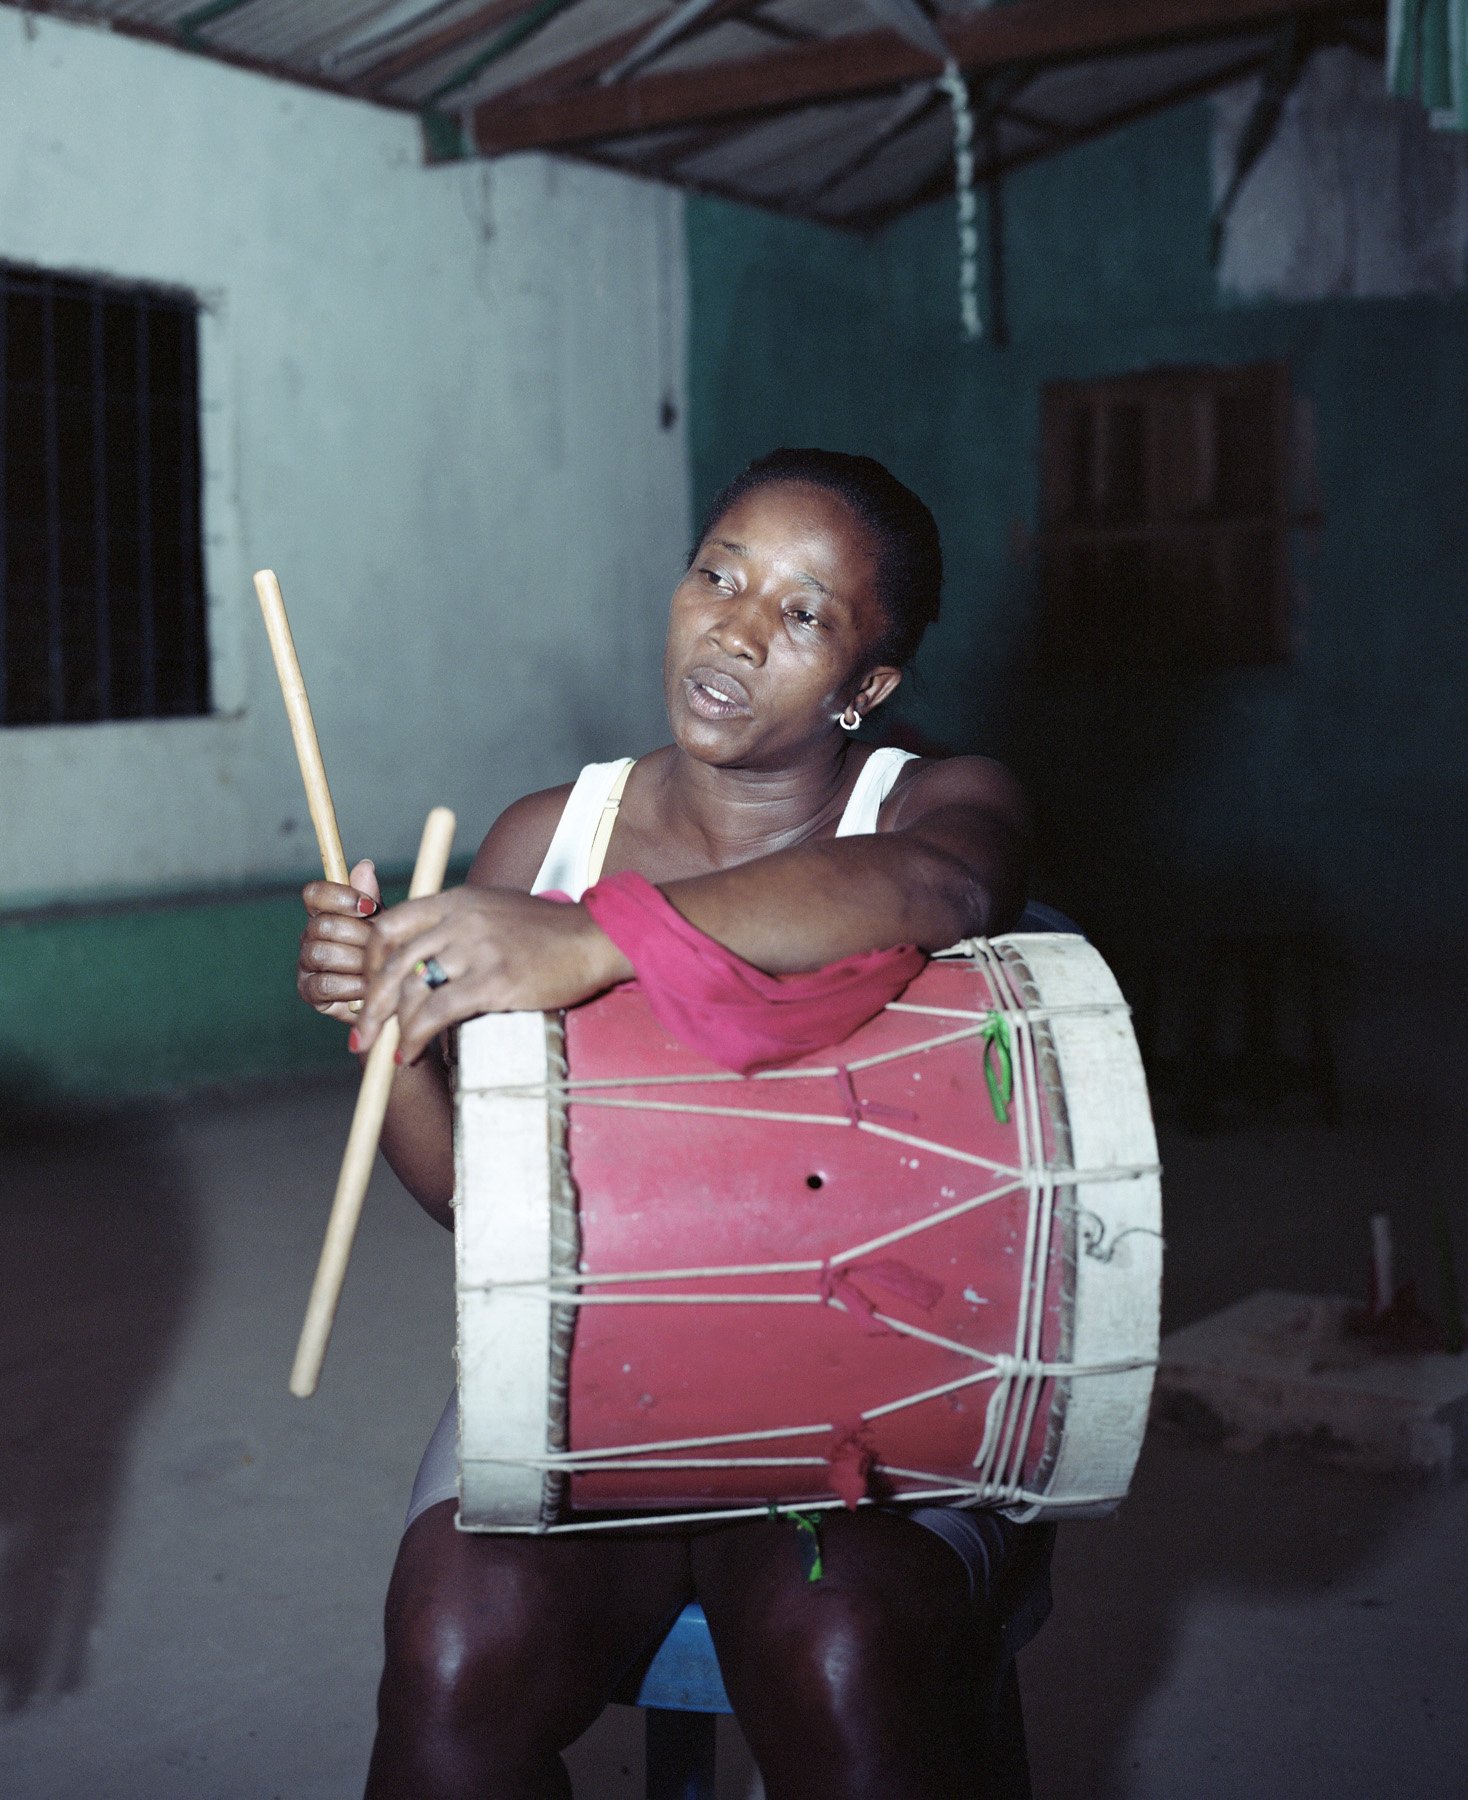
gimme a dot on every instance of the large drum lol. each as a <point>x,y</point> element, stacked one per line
<point>923,1265</point>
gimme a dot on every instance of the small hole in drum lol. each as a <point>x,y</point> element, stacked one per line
<point>815,1181</point>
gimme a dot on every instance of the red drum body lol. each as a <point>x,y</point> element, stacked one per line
<point>924,1264</point>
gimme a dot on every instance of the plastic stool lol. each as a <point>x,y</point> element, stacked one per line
<point>683,1694</point>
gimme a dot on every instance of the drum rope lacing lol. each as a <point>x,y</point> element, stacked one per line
<point>1019,1377</point>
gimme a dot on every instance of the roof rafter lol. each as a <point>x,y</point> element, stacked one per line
<point>692,17</point>
<point>864,63</point>
<point>510,37</point>
<point>666,164</point>
<point>912,109</point>
<point>598,60</point>
<point>432,44</point>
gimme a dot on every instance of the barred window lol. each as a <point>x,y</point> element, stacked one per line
<point>101,555</point>
<point>1166,517</point>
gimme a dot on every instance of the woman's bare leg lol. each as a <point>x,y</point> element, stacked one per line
<point>502,1650</point>
<point>862,1685</point>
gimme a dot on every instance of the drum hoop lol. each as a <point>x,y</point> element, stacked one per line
<point>1115,1266</point>
<point>1047,1067</point>
<point>565,1260</point>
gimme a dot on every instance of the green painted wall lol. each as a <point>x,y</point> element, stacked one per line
<point>124,999</point>
<point>1332,789</point>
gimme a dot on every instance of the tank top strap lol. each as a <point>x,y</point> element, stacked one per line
<point>873,785</point>
<point>579,846</point>
<point>596,856</point>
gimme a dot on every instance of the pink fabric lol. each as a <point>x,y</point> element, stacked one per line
<point>722,1006</point>
<point>850,1460</point>
<point>898,1278</point>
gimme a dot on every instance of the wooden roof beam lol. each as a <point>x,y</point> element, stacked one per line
<point>1029,31</point>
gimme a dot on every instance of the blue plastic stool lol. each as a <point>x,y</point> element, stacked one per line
<point>683,1694</point>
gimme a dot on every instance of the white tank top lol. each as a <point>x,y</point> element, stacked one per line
<point>573,861</point>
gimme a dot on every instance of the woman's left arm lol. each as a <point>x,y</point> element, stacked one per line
<point>949,862</point>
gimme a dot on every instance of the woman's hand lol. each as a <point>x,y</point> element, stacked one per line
<point>331,968</point>
<point>503,951</point>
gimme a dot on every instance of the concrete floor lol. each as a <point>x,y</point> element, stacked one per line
<point>192,1563</point>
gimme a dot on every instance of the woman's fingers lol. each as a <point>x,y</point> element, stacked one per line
<point>333,897</point>
<point>328,993</point>
<point>395,983</point>
<point>333,996</point>
<point>331,964</point>
<point>363,878</point>
<point>328,973</point>
<point>501,951</point>
<point>401,925</point>
<point>333,928</point>
<point>402,936</point>
<point>438,1011</point>
<point>464,930</point>
<point>327,955</point>
<point>332,961</point>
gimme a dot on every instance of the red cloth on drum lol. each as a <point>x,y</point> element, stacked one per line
<point>715,1002</point>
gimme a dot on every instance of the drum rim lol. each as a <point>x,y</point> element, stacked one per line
<point>1106,1405</point>
<point>517,1365</point>
<point>1053,1099</point>
<point>565,1260</point>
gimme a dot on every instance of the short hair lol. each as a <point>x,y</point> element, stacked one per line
<point>909,551</point>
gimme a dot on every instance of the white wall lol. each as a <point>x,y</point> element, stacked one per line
<point>1357,195</point>
<point>431,403</point>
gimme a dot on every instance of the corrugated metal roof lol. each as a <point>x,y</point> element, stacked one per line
<point>854,153</point>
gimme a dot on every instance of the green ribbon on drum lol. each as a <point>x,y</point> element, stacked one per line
<point>808,1538</point>
<point>808,1525</point>
<point>998,1065</point>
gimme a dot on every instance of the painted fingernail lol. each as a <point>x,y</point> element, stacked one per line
<point>366,907</point>
<point>354,1040</point>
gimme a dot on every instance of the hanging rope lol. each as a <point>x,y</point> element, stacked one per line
<point>953,84</point>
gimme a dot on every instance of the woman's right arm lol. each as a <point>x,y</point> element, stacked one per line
<point>418,1132</point>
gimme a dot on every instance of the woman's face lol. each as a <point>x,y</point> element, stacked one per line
<point>774,628</point>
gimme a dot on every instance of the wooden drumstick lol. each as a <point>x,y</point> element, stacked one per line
<point>361,1150</point>
<point>303,729</point>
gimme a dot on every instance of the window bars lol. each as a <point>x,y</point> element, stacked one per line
<point>101,554</point>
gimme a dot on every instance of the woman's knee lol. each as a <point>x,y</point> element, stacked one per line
<point>521,1638</point>
<point>874,1660</point>
<point>466,1646</point>
<point>456,1713</point>
<point>847,1649</point>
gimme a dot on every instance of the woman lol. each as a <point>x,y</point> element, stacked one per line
<point>775,834</point>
